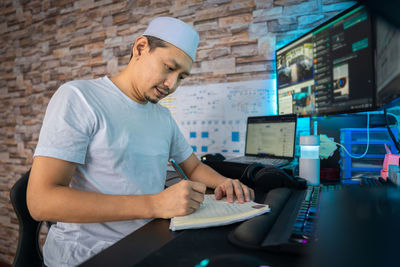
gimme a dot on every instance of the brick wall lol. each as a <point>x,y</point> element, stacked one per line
<point>46,43</point>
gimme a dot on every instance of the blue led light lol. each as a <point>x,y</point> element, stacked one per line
<point>204,262</point>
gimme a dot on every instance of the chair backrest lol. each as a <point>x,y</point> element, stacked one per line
<point>28,249</point>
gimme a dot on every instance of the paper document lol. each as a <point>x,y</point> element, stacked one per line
<point>218,212</point>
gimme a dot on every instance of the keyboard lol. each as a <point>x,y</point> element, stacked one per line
<point>371,181</point>
<point>303,228</point>
<point>265,161</point>
<point>364,181</point>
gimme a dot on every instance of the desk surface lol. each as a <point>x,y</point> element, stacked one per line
<point>359,228</point>
<point>155,245</point>
<point>136,246</point>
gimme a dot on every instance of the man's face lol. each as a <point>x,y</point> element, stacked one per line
<point>159,72</point>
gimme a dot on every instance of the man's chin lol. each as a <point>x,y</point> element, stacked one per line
<point>152,100</point>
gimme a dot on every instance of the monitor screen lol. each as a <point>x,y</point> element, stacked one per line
<point>387,62</point>
<point>330,69</point>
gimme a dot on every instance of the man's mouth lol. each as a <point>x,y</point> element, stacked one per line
<point>161,92</point>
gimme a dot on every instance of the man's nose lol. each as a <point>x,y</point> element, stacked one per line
<point>171,82</point>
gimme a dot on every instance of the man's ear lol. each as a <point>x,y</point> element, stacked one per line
<point>141,45</point>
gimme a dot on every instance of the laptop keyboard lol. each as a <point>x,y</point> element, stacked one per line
<point>265,161</point>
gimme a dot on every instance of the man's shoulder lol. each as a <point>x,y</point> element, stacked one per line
<point>93,88</point>
<point>85,84</point>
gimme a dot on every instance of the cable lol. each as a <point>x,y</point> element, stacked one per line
<point>366,150</point>
<point>395,117</point>
<point>397,122</point>
<point>396,143</point>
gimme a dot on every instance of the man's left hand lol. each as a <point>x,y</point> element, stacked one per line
<point>231,188</point>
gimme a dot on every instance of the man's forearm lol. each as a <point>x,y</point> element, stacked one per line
<point>65,204</point>
<point>206,175</point>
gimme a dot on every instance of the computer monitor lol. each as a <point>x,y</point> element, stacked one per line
<point>387,63</point>
<point>330,69</point>
<point>387,9</point>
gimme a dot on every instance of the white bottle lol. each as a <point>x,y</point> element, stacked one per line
<point>309,168</point>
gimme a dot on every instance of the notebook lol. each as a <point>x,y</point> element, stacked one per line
<point>214,212</point>
<point>270,140</point>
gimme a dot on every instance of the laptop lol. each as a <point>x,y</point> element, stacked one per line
<point>270,140</point>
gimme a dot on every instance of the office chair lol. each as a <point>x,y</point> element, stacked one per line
<point>28,249</point>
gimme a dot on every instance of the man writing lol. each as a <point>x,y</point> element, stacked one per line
<point>100,164</point>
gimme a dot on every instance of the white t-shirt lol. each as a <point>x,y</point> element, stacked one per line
<point>120,147</point>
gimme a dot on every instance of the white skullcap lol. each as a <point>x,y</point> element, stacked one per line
<point>175,32</point>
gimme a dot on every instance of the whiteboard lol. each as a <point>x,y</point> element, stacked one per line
<point>213,117</point>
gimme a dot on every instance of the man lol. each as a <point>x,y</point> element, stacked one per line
<point>100,164</point>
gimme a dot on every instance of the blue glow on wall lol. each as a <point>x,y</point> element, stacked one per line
<point>282,42</point>
<point>303,129</point>
<point>275,106</point>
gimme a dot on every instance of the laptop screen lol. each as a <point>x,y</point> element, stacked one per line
<point>271,136</point>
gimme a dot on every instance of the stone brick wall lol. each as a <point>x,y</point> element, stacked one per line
<point>46,43</point>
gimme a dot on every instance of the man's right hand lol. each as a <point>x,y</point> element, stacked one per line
<point>180,199</point>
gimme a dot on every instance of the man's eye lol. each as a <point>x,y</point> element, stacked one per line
<point>169,68</point>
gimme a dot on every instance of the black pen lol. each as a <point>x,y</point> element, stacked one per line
<point>178,170</point>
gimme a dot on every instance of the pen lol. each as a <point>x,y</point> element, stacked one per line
<point>178,170</point>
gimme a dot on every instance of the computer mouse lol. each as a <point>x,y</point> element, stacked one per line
<point>232,260</point>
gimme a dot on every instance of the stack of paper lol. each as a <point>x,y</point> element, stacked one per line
<point>218,212</point>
